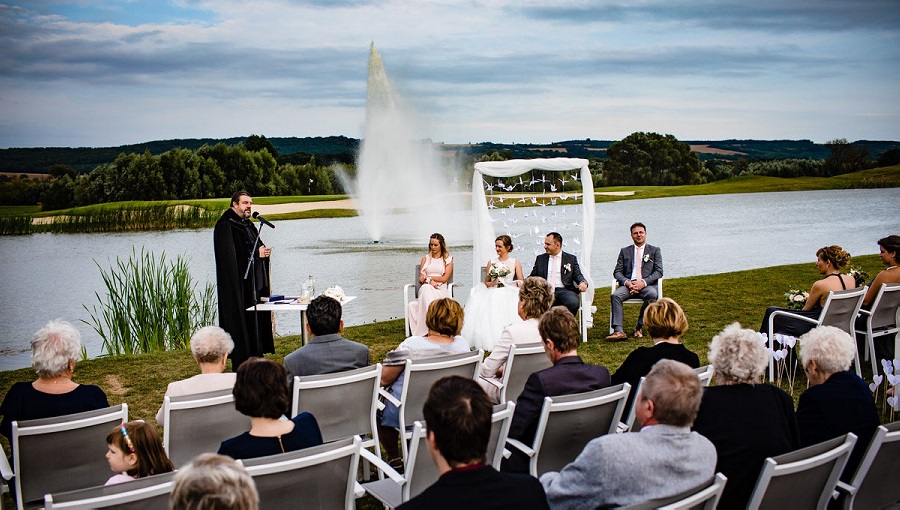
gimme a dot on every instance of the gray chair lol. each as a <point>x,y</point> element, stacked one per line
<point>704,497</point>
<point>875,483</point>
<point>419,471</point>
<point>148,493</point>
<point>501,419</point>
<point>320,477</point>
<point>199,423</point>
<point>632,301</point>
<point>881,319</point>
<point>415,294</point>
<point>60,454</point>
<point>420,374</point>
<point>704,373</point>
<point>840,310</point>
<point>804,478</point>
<point>567,423</point>
<point>523,360</point>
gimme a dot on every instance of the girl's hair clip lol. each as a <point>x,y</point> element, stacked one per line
<point>127,439</point>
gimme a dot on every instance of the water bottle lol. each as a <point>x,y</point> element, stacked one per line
<point>309,289</point>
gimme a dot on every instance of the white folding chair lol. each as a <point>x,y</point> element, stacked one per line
<point>874,485</point>
<point>419,472</point>
<point>632,301</point>
<point>419,375</point>
<point>881,319</point>
<point>840,310</point>
<point>501,419</point>
<point>804,478</point>
<point>198,423</point>
<point>415,286</point>
<point>704,497</point>
<point>568,422</point>
<point>522,361</point>
<point>148,493</point>
<point>61,453</point>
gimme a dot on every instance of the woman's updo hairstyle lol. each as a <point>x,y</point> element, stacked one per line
<point>506,240</point>
<point>834,254</point>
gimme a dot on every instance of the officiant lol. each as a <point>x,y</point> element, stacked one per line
<point>234,237</point>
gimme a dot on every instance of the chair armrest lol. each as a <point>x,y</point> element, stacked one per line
<point>406,291</point>
<point>844,488</point>
<point>520,446</point>
<point>450,288</point>
<point>794,315</point>
<point>5,469</point>
<point>382,466</point>
<point>490,380</point>
<point>358,490</point>
<point>388,396</point>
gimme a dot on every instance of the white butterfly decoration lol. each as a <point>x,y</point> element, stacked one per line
<point>552,187</point>
<point>575,239</point>
<point>537,230</point>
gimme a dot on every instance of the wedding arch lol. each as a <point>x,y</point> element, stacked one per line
<point>484,232</point>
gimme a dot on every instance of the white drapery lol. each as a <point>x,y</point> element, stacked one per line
<point>483,233</point>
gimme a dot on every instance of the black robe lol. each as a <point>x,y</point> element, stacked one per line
<point>233,238</point>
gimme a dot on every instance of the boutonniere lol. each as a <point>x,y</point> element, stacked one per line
<point>568,267</point>
<point>646,258</point>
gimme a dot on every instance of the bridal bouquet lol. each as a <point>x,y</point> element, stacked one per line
<point>498,271</point>
<point>860,275</point>
<point>796,298</point>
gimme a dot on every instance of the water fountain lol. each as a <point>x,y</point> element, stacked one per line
<point>397,168</point>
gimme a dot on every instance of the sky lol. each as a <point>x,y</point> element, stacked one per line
<point>97,73</point>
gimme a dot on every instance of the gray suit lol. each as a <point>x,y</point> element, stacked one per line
<point>623,469</point>
<point>651,272</point>
<point>326,354</point>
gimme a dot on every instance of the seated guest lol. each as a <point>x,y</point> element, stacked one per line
<point>261,392</point>
<point>214,482</point>
<point>328,351</point>
<point>662,460</point>
<point>665,323</point>
<point>54,349</point>
<point>134,451</point>
<point>568,375</point>
<point>444,320</point>
<point>638,271</point>
<point>889,250</point>
<point>535,298</point>
<point>210,346</point>
<point>435,272</point>
<point>829,262</point>
<point>837,401</point>
<point>747,421</point>
<point>561,270</point>
<point>458,415</point>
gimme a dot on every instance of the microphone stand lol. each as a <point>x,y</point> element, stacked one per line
<point>252,264</point>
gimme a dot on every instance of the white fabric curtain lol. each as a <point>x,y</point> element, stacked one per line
<point>483,233</point>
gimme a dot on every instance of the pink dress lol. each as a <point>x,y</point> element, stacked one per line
<point>427,293</point>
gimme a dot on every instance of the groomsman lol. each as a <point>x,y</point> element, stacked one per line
<point>561,270</point>
<point>638,269</point>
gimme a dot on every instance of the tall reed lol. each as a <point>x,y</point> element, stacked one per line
<point>150,217</point>
<point>151,304</point>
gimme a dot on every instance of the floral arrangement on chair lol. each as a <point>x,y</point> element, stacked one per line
<point>859,274</point>
<point>498,271</point>
<point>796,299</point>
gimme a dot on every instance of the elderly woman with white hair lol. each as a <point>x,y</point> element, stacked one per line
<point>210,346</point>
<point>214,482</point>
<point>837,401</point>
<point>54,350</point>
<point>746,420</point>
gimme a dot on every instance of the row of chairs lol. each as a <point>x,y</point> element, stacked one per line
<point>841,310</point>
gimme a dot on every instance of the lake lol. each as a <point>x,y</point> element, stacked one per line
<point>49,276</point>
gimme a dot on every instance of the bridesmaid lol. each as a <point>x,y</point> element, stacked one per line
<point>436,269</point>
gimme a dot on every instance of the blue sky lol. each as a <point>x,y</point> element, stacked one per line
<point>112,72</point>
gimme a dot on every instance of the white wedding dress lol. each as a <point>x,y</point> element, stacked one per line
<point>490,309</point>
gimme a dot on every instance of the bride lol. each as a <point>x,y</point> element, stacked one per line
<point>493,304</point>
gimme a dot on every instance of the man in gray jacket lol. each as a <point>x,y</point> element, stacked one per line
<point>328,351</point>
<point>638,269</point>
<point>664,459</point>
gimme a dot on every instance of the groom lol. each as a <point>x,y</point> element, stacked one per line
<point>561,270</point>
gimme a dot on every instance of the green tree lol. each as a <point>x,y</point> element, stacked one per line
<point>889,157</point>
<point>256,143</point>
<point>651,159</point>
<point>846,157</point>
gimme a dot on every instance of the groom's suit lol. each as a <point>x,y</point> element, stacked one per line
<point>569,273</point>
<point>651,272</point>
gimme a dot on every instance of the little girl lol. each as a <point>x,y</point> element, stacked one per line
<point>135,451</point>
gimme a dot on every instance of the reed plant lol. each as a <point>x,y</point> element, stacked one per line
<point>151,304</point>
<point>15,225</point>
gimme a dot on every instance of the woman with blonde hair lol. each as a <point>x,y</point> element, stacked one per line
<point>435,271</point>
<point>746,420</point>
<point>829,262</point>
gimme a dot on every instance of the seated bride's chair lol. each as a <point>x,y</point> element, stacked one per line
<point>406,297</point>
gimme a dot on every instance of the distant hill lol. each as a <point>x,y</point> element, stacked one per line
<point>342,148</point>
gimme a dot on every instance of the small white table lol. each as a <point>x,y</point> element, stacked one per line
<point>281,306</point>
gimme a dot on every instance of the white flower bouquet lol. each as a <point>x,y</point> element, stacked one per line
<point>859,275</point>
<point>796,298</point>
<point>335,292</point>
<point>497,271</point>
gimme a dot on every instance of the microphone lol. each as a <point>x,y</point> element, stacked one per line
<point>262,220</point>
